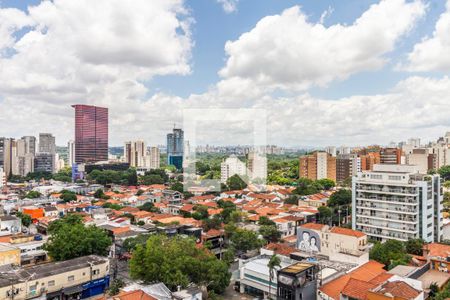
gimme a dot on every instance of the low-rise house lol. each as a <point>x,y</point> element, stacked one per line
<point>77,278</point>
<point>10,225</point>
<point>337,243</point>
<point>51,211</point>
<point>9,255</point>
<point>285,226</point>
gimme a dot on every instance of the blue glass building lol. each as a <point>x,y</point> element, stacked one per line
<point>175,148</point>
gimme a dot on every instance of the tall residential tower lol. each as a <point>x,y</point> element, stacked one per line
<point>91,133</point>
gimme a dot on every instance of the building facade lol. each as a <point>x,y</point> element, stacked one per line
<point>347,165</point>
<point>153,158</point>
<point>71,152</point>
<point>91,133</point>
<point>257,166</point>
<point>134,153</point>
<point>175,148</point>
<point>47,143</point>
<point>397,202</point>
<point>318,165</point>
<point>44,162</point>
<point>232,166</point>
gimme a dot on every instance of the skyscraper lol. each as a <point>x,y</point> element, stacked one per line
<point>175,148</point>
<point>47,143</point>
<point>6,155</point>
<point>318,165</point>
<point>91,133</point>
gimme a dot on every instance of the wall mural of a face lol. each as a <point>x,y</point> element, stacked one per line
<point>308,240</point>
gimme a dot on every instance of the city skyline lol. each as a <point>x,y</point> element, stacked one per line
<point>358,94</point>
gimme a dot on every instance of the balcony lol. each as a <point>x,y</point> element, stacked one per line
<point>387,200</point>
<point>396,219</point>
<point>396,210</point>
<point>385,226</point>
<point>394,192</point>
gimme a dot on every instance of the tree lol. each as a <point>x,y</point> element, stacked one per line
<point>115,286</point>
<point>245,240</point>
<point>159,172</point>
<point>213,223</point>
<point>445,172</point>
<point>236,183</point>
<point>292,199</point>
<point>132,178</point>
<point>148,206</point>
<point>68,196</point>
<point>177,186</point>
<point>131,243</point>
<point>24,218</point>
<point>274,262</point>
<point>414,246</point>
<point>201,212</point>
<point>341,197</point>
<point>306,186</point>
<point>263,220</point>
<point>70,240</point>
<point>324,214</point>
<point>99,194</point>
<point>33,195</point>
<point>177,261</point>
<point>447,184</point>
<point>152,179</point>
<point>326,183</point>
<point>270,233</point>
<point>139,192</point>
<point>391,253</point>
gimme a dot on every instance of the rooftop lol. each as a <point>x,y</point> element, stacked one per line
<point>297,268</point>
<point>49,269</point>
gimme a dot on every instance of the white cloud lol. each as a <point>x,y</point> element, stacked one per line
<point>288,52</point>
<point>96,54</point>
<point>326,14</point>
<point>433,53</point>
<point>85,51</point>
<point>228,6</point>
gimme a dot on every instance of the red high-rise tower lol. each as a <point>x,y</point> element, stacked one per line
<point>91,133</point>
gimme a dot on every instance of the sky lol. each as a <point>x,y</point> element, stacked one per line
<point>347,72</point>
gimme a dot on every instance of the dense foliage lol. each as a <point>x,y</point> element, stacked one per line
<point>67,196</point>
<point>70,239</point>
<point>391,253</point>
<point>24,218</point>
<point>177,262</point>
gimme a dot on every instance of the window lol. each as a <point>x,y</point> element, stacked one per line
<point>33,288</point>
<point>96,271</point>
<point>71,278</point>
<point>51,283</point>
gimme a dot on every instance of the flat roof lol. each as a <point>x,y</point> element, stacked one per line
<point>14,276</point>
<point>297,267</point>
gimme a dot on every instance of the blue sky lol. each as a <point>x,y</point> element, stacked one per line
<point>213,27</point>
<point>146,70</point>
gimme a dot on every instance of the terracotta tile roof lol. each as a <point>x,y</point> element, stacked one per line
<point>347,231</point>
<point>187,207</point>
<point>133,295</point>
<point>366,272</point>
<point>398,289</point>
<point>313,226</point>
<point>436,249</point>
<point>129,209</point>
<point>213,211</point>
<point>383,277</point>
<point>213,233</point>
<point>357,289</point>
<point>281,249</point>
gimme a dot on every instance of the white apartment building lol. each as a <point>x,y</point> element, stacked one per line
<point>71,151</point>
<point>397,202</point>
<point>231,166</point>
<point>331,150</point>
<point>420,158</point>
<point>322,169</point>
<point>257,166</point>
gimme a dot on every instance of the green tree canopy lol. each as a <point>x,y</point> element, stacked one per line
<point>245,240</point>
<point>68,196</point>
<point>325,214</point>
<point>263,220</point>
<point>445,173</point>
<point>341,197</point>
<point>177,262</point>
<point>306,186</point>
<point>70,239</point>
<point>270,233</point>
<point>24,218</point>
<point>414,246</point>
<point>326,183</point>
<point>33,195</point>
<point>236,183</point>
<point>391,253</point>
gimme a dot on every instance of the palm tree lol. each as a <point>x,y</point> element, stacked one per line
<point>274,261</point>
